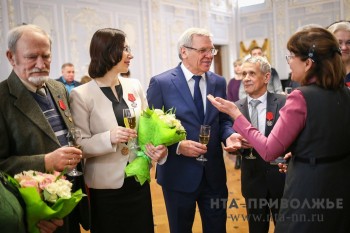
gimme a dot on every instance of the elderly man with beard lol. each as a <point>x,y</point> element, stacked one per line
<point>34,114</point>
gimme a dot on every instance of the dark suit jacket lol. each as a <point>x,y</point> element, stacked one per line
<point>259,177</point>
<point>181,173</point>
<point>25,134</point>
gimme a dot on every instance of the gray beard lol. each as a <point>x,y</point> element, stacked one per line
<point>38,81</point>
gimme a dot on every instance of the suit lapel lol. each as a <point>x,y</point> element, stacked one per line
<point>181,85</point>
<point>211,85</point>
<point>127,89</point>
<point>59,94</point>
<point>272,107</point>
<point>243,107</point>
<point>27,105</point>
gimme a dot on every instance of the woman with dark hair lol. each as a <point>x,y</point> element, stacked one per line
<point>118,204</point>
<point>315,125</point>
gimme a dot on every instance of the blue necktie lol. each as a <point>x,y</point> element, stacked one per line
<point>197,97</point>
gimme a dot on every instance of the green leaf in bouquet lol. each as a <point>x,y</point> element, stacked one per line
<point>13,181</point>
<point>139,168</point>
<point>148,112</point>
<point>65,170</point>
<point>153,130</point>
<point>37,209</point>
<point>49,196</point>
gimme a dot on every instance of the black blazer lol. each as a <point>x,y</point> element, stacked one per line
<point>259,178</point>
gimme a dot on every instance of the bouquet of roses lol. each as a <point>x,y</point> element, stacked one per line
<point>159,128</point>
<point>46,196</point>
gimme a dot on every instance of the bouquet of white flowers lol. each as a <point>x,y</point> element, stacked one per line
<point>46,196</point>
<point>159,128</point>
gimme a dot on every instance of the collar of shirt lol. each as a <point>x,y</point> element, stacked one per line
<point>261,108</point>
<point>188,74</point>
<point>190,81</point>
<point>29,85</point>
<point>68,84</point>
<point>261,98</point>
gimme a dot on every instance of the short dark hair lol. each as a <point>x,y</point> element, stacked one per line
<point>255,47</point>
<point>322,48</point>
<point>106,51</point>
<point>67,64</point>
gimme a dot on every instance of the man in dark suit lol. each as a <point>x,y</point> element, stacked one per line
<point>35,116</point>
<point>67,78</point>
<point>262,183</point>
<point>186,181</point>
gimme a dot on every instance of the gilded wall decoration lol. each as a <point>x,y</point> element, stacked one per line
<point>244,50</point>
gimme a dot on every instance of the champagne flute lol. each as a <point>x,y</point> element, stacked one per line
<point>250,156</point>
<point>204,135</point>
<point>72,137</point>
<point>130,122</point>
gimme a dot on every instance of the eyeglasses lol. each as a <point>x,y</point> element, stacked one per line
<point>346,43</point>
<point>211,51</point>
<point>127,49</point>
<point>288,57</point>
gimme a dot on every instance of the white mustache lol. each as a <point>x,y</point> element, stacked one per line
<point>37,70</point>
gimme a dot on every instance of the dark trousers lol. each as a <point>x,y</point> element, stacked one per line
<point>259,214</point>
<point>181,209</point>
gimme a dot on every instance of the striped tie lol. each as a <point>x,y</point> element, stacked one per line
<point>254,114</point>
<point>41,91</point>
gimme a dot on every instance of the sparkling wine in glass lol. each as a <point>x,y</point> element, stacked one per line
<point>204,135</point>
<point>72,137</point>
<point>130,122</point>
<point>250,156</point>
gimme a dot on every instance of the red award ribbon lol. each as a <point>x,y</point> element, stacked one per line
<point>62,105</point>
<point>131,97</point>
<point>269,118</point>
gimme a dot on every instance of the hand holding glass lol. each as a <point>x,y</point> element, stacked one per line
<point>130,122</point>
<point>204,135</point>
<point>72,137</point>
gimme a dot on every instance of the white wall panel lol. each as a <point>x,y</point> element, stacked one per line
<point>153,27</point>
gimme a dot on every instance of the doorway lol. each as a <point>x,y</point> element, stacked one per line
<point>218,61</point>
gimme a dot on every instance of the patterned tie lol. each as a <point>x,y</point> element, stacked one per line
<point>41,91</point>
<point>254,115</point>
<point>197,97</point>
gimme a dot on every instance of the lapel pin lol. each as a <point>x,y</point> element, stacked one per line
<point>269,118</point>
<point>132,99</point>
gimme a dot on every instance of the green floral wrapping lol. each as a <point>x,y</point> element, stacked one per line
<point>37,209</point>
<point>154,129</point>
